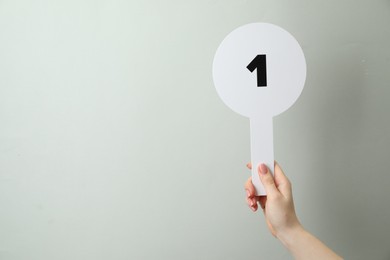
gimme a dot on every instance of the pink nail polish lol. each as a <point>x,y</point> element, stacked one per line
<point>263,168</point>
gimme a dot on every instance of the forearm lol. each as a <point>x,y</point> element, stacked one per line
<point>303,245</point>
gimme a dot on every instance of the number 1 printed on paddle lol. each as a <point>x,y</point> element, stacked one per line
<point>259,71</point>
<point>259,63</point>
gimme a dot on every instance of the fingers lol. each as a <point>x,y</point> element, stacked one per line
<point>250,189</point>
<point>252,199</point>
<point>279,180</point>
<point>267,179</point>
<point>273,184</point>
<point>253,205</point>
<point>250,195</point>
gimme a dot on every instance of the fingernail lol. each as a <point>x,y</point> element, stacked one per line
<point>250,202</point>
<point>248,194</point>
<point>254,201</point>
<point>263,168</point>
<point>253,208</point>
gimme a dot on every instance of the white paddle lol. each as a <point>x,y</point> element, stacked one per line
<point>259,71</point>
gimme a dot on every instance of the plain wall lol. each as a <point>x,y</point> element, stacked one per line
<point>115,145</point>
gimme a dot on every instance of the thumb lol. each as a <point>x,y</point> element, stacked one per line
<point>282,182</point>
<point>267,179</point>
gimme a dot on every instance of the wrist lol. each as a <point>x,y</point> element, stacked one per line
<point>291,235</point>
<point>303,245</point>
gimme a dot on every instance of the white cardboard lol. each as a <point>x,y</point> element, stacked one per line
<point>238,85</point>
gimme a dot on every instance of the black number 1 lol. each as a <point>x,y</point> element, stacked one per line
<point>259,63</point>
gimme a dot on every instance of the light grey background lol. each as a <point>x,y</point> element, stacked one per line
<point>115,145</point>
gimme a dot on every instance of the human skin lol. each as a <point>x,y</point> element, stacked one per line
<point>280,216</point>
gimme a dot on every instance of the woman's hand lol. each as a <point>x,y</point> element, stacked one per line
<point>278,205</point>
<point>279,212</point>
